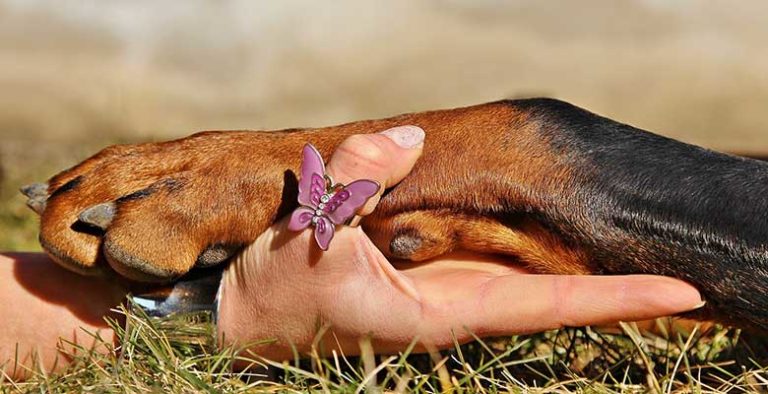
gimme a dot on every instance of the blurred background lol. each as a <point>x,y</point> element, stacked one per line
<point>78,75</point>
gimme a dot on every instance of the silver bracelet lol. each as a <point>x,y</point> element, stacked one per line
<point>190,302</point>
<point>195,292</point>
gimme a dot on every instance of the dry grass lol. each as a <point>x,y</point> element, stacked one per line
<point>176,354</point>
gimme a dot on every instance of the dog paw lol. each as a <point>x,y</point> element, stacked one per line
<point>154,211</point>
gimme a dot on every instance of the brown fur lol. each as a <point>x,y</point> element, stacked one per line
<point>177,198</point>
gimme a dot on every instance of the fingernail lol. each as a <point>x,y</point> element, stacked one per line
<point>405,136</point>
<point>699,305</point>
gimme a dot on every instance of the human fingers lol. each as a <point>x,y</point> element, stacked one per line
<point>386,157</point>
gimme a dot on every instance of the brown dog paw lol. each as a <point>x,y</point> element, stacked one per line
<point>154,211</point>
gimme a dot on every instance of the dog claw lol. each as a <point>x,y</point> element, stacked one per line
<point>216,254</point>
<point>35,190</point>
<point>99,215</point>
<point>37,205</point>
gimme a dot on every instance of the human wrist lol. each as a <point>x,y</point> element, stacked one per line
<point>239,321</point>
<point>270,316</point>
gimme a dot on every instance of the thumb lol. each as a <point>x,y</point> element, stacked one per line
<point>386,157</point>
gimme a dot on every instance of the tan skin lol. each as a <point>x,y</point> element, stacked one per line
<point>283,287</point>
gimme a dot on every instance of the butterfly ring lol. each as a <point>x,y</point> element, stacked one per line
<point>324,204</point>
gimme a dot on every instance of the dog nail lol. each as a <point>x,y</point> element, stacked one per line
<point>216,254</point>
<point>405,136</point>
<point>405,244</point>
<point>37,205</point>
<point>35,190</point>
<point>99,215</point>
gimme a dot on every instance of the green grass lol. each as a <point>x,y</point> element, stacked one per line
<point>177,354</point>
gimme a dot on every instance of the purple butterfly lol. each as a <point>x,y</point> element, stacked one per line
<point>323,203</point>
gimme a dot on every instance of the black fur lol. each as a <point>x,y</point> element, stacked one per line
<point>646,203</point>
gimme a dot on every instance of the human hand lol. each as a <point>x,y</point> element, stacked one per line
<point>283,287</point>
